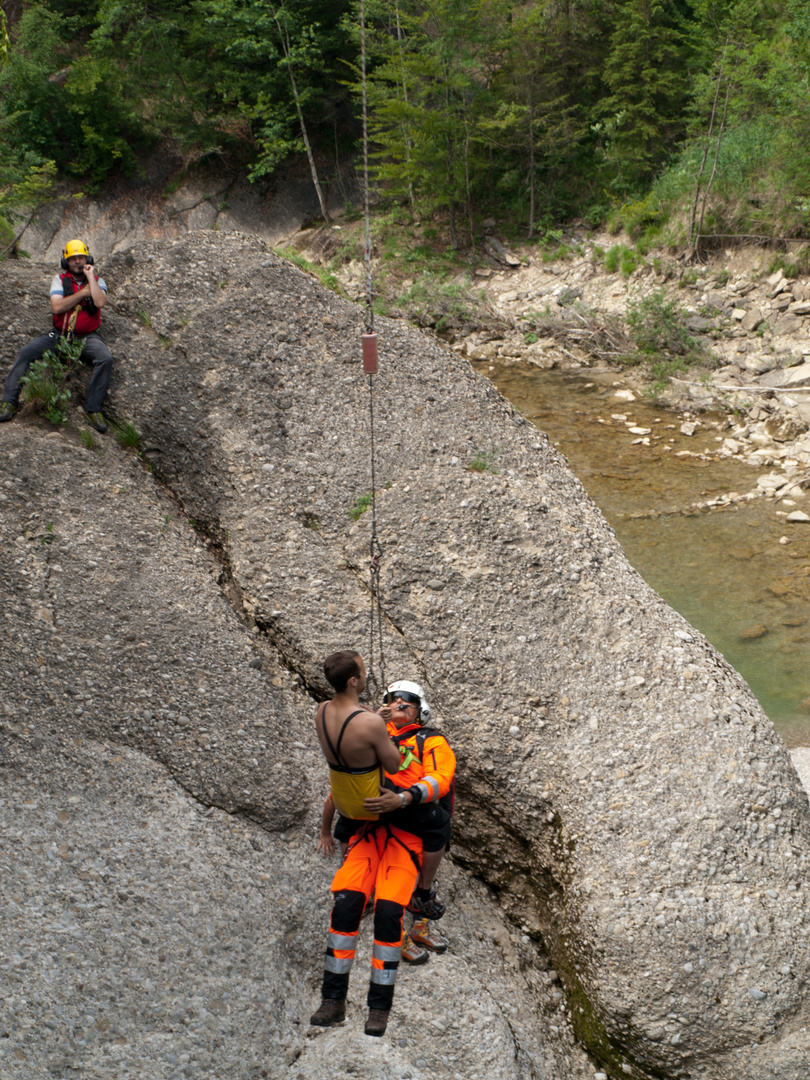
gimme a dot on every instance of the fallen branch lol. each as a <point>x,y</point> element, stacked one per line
<point>745,389</point>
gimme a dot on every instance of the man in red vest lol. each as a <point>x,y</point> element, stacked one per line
<point>77,296</point>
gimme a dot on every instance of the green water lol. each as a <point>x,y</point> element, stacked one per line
<point>723,569</point>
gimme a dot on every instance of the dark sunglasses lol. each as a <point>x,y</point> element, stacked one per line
<point>402,695</point>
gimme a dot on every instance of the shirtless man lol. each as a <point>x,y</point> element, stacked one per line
<point>382,858</point>
<point>353,739</point>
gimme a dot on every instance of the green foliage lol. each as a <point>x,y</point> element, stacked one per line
<point>44,383</point>
<point>658,326</point>
<point>794,265</point>
<point>661,118</point>
<point>646,73</point>
<point>362,504</point>
<point>127,434</point>
<point>436,302</point>
<point>621,257</point>
<point>88,438</point>
<point>484,461</point>
<point>326,277</point>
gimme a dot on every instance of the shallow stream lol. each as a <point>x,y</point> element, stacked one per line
<point>723,569</point>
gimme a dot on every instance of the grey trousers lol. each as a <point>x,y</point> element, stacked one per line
<point>94,350</point>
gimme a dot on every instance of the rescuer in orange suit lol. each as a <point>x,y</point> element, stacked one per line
<point>427,771</point>
<point>383,857</point>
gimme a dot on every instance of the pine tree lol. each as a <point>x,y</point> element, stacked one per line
<point>647,74</point>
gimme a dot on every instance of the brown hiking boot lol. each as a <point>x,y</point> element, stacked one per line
<point>377,1022</point>
<point>411,953</point>
<point>421,934</point>
<point>330,1011</point>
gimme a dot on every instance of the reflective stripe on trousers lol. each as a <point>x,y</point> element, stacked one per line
<point>340,950</point>
<point>385,963</point>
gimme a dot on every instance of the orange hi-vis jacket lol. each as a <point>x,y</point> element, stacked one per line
<point>428,779</point>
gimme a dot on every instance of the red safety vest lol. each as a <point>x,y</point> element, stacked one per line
<point>88,316</point>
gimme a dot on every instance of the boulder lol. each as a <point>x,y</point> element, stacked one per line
<point>785,427</point>
<point>752,319</point>
<point>626,816</point>
<point>787,378</point>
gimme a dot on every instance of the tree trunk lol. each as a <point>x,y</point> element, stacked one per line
<point>531,157</point>
<point>285,45</point>
<point>405,135</point>
<point>714,167</point>
<point>692,236</point>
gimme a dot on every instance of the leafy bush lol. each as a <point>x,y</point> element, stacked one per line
<point>621,257</point>
<point>658,327</point>
<point>794,265</point>
<point>44,383</point>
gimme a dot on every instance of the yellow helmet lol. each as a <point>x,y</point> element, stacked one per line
<point>75,247</point>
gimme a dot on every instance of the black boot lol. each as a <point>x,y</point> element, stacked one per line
<point>330,1011</point>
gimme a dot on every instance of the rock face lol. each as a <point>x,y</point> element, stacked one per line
<point>621,794</point>
<point>168,201</point>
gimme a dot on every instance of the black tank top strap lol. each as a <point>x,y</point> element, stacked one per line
<point>335,750</point>
<point>351,716</point>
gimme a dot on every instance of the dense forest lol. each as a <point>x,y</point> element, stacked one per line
<point>679,115</point>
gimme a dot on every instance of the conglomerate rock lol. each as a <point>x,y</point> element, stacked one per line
<point>619,789</point>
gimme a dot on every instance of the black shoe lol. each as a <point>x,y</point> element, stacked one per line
<point>97,420</point>
<point>330,1011</point>
<point>377,1022</point>
<point>7,410</point>
<point>429,908</point>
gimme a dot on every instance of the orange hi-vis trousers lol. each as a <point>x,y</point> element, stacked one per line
<point>384,860</point>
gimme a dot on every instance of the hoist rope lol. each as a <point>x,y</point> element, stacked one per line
<point>375,550</point>
<point>367,255</point>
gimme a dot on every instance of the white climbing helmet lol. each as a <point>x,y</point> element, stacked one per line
<point>412,693</point>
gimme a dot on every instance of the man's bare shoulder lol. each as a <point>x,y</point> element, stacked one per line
<point>369,718</point>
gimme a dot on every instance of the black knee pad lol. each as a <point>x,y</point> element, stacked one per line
<point>387,920</point>
<point>348,911</point>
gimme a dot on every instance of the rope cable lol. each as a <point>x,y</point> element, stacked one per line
<point>367,255</point>
<point>375,550</point>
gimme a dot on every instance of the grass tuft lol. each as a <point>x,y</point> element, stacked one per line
<point>87,438</point>
<point>484,461</point>
<point>127,434</point>
<point>361,505</point>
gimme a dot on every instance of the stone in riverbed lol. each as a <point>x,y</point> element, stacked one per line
<point>798,516</point>
<point>752,319</point>
<point>787,324</point>
<point>785,428</point>
<point>751,633</point>
<point>786,378</point>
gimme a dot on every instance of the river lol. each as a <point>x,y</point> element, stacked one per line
<point>739,574</point>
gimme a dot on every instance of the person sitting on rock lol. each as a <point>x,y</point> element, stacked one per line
<point>77,296</point>
<point>427,769</point>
